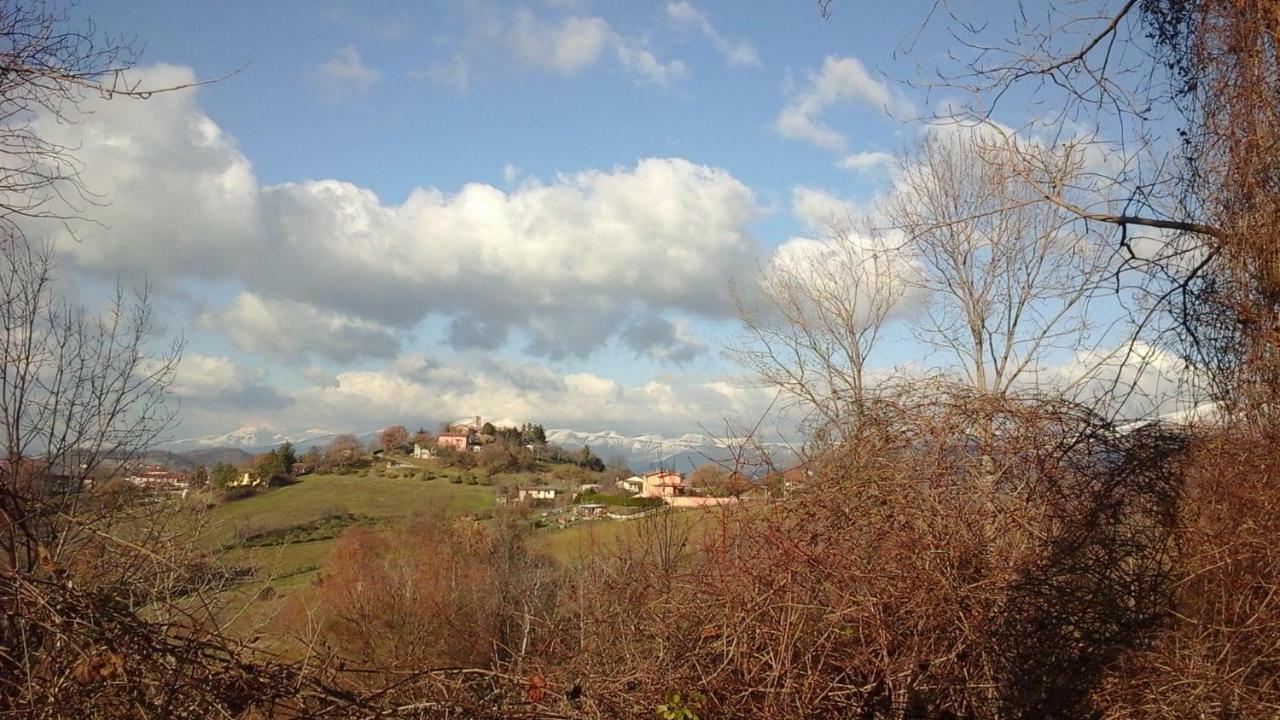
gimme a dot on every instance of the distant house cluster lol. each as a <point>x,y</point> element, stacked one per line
<point>475,434</point>
<point>156,477</point>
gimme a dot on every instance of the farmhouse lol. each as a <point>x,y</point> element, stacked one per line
<point>661,484</point>
<point>633,484</point>
<point>461,437</point>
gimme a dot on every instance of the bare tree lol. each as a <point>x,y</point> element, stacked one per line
<point>343,451</point>
<point>394,437</point>
<point>1009,276</point>
<point>820,309</point>
<point>77,389</point>
<point>48,66</point>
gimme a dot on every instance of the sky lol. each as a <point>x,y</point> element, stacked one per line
<point>539,211</point>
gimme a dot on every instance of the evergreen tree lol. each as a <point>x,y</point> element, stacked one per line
<point>223,475</point>
<point>288,458</point>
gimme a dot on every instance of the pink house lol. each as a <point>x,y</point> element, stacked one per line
<point>454,440</point>
<point>699,502</point>
<point>661,484</point>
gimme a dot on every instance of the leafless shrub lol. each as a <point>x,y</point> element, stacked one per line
<point>928,570</point>
<point>1216,656</point>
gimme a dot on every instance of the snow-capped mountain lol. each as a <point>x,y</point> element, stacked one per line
<point>250,438</point>
<point>649,450</point>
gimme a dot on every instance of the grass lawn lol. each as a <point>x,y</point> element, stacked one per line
<point>583,539</point>
<point>374,499</point>
<point>316,496</point>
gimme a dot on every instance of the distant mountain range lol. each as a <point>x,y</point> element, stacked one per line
<point>252,438</point>
<point>641,452</point>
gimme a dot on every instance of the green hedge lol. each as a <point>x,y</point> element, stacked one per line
<point>618,500</point>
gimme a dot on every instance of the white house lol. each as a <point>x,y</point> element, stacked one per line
<point>633,484</point>
<point>423,452</point>
<point>538,493</point>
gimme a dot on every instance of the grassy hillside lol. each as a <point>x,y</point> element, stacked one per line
<point>285,534</point>
<point>314,496</point>
<point>310,513</point>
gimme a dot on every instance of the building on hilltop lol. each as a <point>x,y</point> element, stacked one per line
<point>461,436</point>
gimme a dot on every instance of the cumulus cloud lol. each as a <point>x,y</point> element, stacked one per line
<point>563,264</point>
<point>840,81</point>
<point>420,388</point>
<point>868,161</point>
<point>817,209</point>
<point>1134,380</point>
<point>343,76</point>
<point>288,329</point>
<point>646,66</point>
<point>219,382</point>
<point>552,43</point>
<point>736,53</point>
<point>574,43</point>
<point>663,339</point>
<point>565,47</point>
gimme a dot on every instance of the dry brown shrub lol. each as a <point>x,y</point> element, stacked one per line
<point>433,593</point>
<point>1219,654</point>
<point>963,558</point>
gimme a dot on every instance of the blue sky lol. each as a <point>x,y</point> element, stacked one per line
<point>405,212</point>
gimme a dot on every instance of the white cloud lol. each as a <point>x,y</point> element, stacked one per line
<point>842,80</point>
<point>557,44</point>
<point>817,209</point>
<point>566,47</point>
<point>219,382</point>
<point>288,329</point>
<point>646,66</point>
<point>510,173</point>
<point>866,162</point>
<point>1135,380</point>
<point>418,388</point>
<point>562,265</point>
<point>739,53</point>
<point>344,75</point>
<point>454,74</point>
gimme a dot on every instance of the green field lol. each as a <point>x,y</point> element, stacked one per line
<point>283,535</point>
<point>375,498</point>
<point>378,496</point>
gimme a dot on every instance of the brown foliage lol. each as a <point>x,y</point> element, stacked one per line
<point>343,452</point>
<point>1217,657</point>
<point>434,593</point>
<point>394,438</point>
<point>929,572</point>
